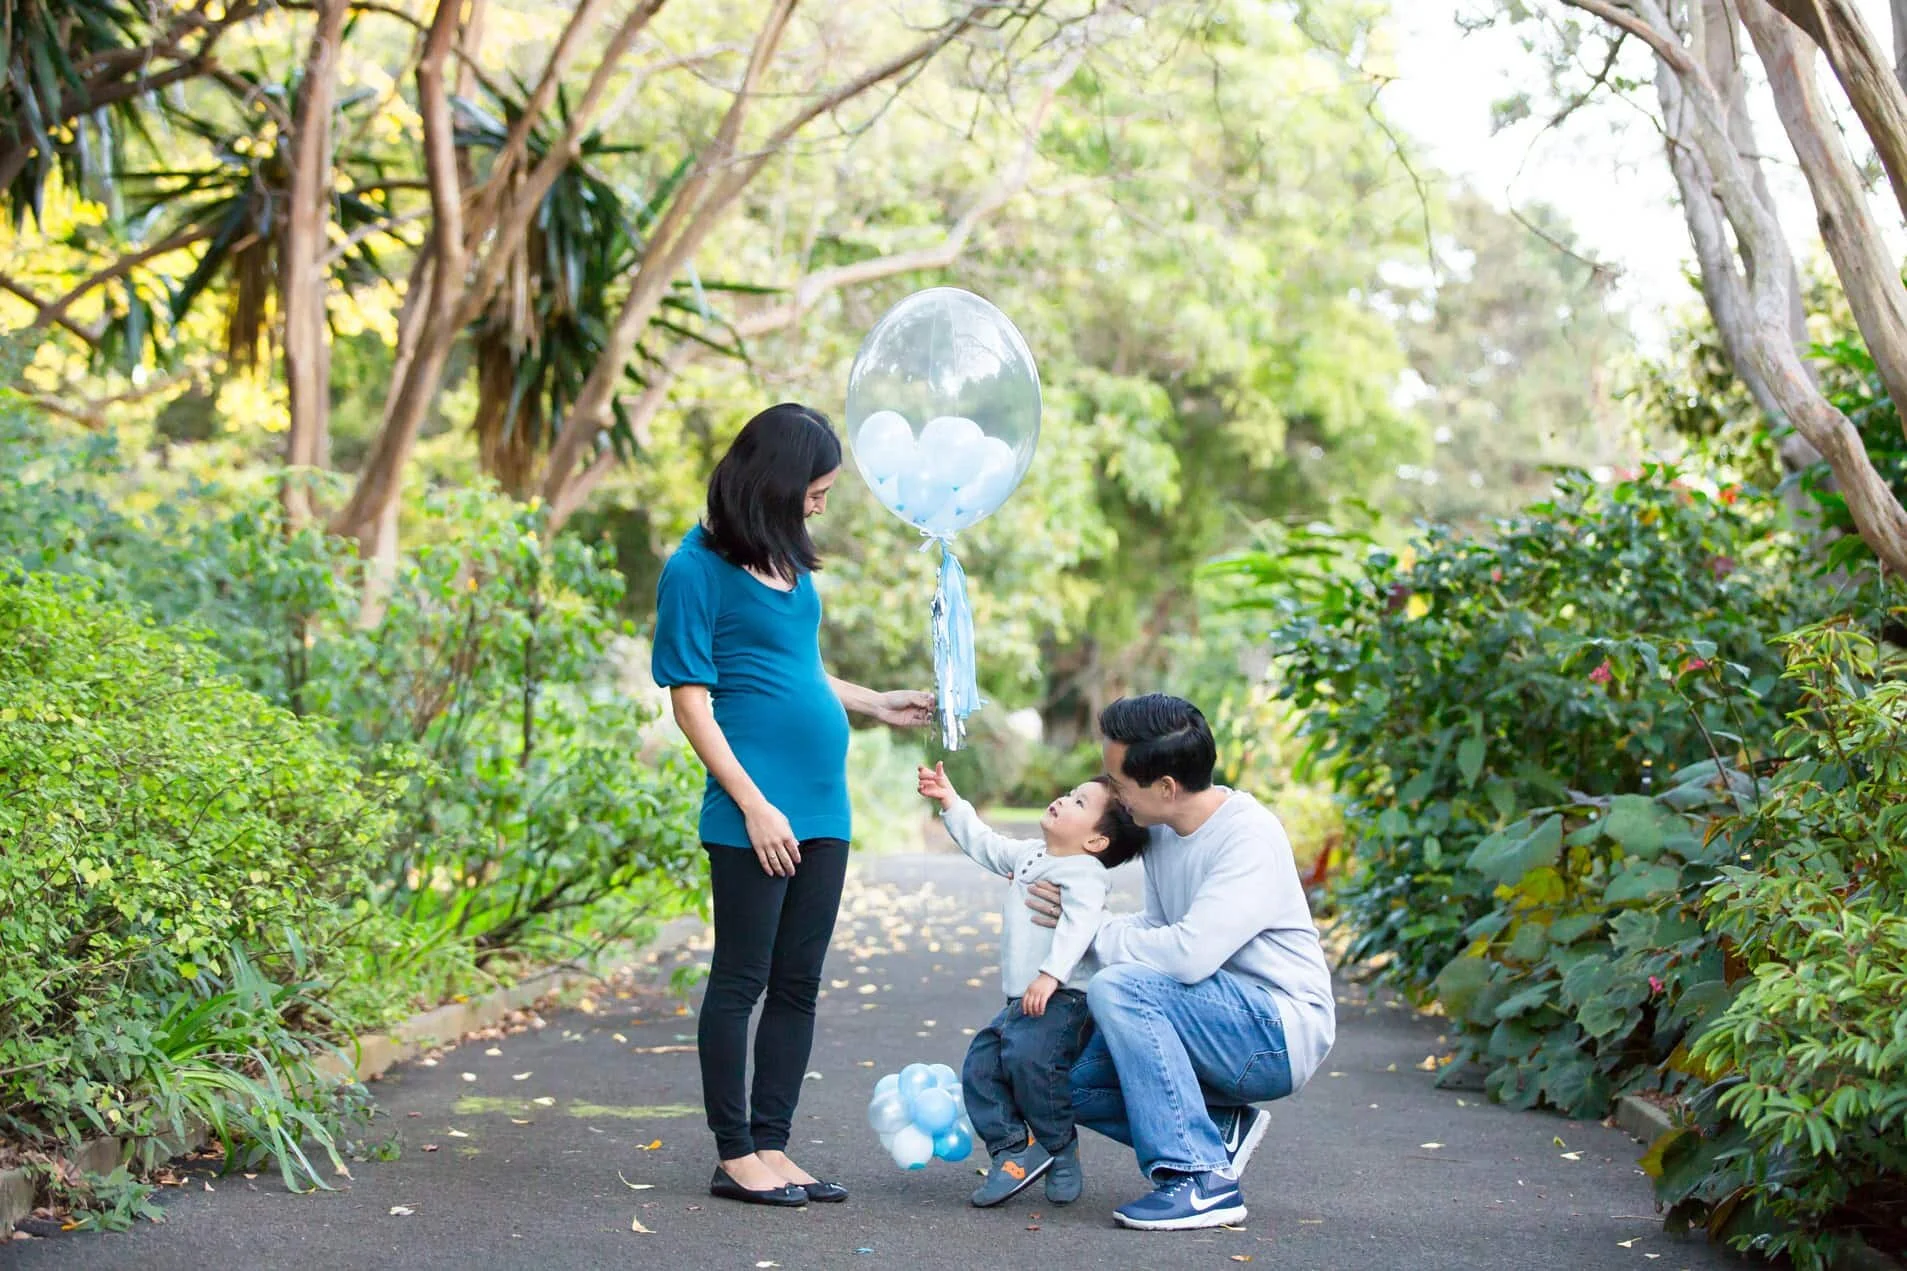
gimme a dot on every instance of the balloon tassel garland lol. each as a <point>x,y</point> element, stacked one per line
<point>956,682</point>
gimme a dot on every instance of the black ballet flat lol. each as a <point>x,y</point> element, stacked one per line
<point>787,1196</point>
<point>825,1193</point>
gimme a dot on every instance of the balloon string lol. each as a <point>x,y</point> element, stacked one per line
<point>956,680</point>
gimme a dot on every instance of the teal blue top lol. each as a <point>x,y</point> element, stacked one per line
<point>758,652</point>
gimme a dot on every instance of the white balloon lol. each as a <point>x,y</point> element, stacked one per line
<point>954,447</point>
<point>888,1112</point>
<point>922,493</point>
<point>912,1147</point>
<point>885,444</point>
<point>946,520</point>
<point>949,432</point>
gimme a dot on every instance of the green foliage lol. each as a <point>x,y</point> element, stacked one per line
<point>888,809</point>
<point>1593,968</point>
<point>160,820</point>
<point>1448,696</point>
<point>1796,1145</point>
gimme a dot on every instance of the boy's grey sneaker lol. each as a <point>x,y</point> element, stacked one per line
<point>1064,1181</point>
<point>1242,1129</point>
<point>1012,1173</point>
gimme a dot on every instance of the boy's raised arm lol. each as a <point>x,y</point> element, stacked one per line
<point>993,850</point>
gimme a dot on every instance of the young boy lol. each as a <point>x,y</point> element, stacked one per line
<point>1017,1070</point>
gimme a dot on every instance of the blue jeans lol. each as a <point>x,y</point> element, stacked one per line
<point>1017,1070</point>
<point>1165,1057</point>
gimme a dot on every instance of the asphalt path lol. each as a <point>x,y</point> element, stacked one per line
<point>546,1148</point>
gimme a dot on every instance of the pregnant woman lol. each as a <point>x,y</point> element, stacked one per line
<point>737,645</point>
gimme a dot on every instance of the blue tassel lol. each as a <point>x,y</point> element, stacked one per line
<point>956,682</point>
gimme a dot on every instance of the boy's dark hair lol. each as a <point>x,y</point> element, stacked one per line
<point>1164,737</point>
<point>1125,837</point>
<point>759,490</point>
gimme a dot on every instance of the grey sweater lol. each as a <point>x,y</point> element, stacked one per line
<point>1026,948</point>
<point>1227,897</point>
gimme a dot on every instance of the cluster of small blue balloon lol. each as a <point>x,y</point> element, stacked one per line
<point>920,1112</point>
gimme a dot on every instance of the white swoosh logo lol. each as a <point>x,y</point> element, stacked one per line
<point>1203,1203</point>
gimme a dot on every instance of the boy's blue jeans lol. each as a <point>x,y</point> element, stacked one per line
<point>1165,1057</point>
<point>1017,1071</point>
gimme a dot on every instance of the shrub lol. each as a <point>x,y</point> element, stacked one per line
<point>158,820</point>
<point>1446,696</point>
<point>1799,1139</point>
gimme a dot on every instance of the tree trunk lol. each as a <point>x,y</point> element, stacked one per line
<point>1719,37</point>
<point>1861,258</point>
<point>1696,111</point>
<point>1856,58</point>
<point>306,278</point>
<point>371,512</point>
<point>1897,10</point>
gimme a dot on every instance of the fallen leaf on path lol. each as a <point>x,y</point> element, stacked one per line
<point>458,1134</point>
<point>635,1225</point>
<point>927,1023</point>
<point>1241,1257</point>
<point>469,1076</point>
<point>1430,1147</point>
<point>402,1211</point>
<point>544,1102</point>
<point>634,1187</point>
<point>1630,1243</point>
<point>1307,1222</point>
<point>208,1187</point>
<point>1651,1256</point>
<point>520,1121</point>
<point>1572,1156</point>
<point>867,1063</point>
<point>865,989</point>
<point>1392,1068</point>
<point>430,1147</point>
<point>520,1076</point>
<point>1558,1141</point>
<point>656,1146</point>
<point>766,1263</point>
<point>1032,1226</point>
<point>1429,1064</point>
<point>493,1051</point>
<point>620,1039</point>
<point>661,1050</point>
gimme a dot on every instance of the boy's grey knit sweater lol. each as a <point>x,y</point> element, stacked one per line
<point>1026,948</point>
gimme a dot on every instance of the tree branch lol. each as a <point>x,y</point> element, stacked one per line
<point>11,285</point>
<point>56,311</point>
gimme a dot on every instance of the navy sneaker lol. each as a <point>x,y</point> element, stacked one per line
<point>1242,1129</point>
<point>1184,1202</point>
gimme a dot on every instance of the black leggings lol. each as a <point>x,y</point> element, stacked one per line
<point>770,934</point>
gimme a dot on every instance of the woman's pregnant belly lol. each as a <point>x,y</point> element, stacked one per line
<point>792,740</point>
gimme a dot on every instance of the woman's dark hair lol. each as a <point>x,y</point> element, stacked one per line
<point>1125,837</point>
<point>1164,737</point>
<point>759,490</point>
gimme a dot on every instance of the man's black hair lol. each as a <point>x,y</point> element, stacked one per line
<point>759,491</point>
<point>1164,736</point>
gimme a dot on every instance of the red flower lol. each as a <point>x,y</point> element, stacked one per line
<point>1602,674</point>
<point>1694,664</point>
<point>1655,984</point>
<point>1730,493</point>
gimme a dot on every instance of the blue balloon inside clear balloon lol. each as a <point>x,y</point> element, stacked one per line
<point>943,410</point>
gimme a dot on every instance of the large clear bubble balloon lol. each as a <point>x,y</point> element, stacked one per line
<point>943,410</point>
<point>920,1113</point>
